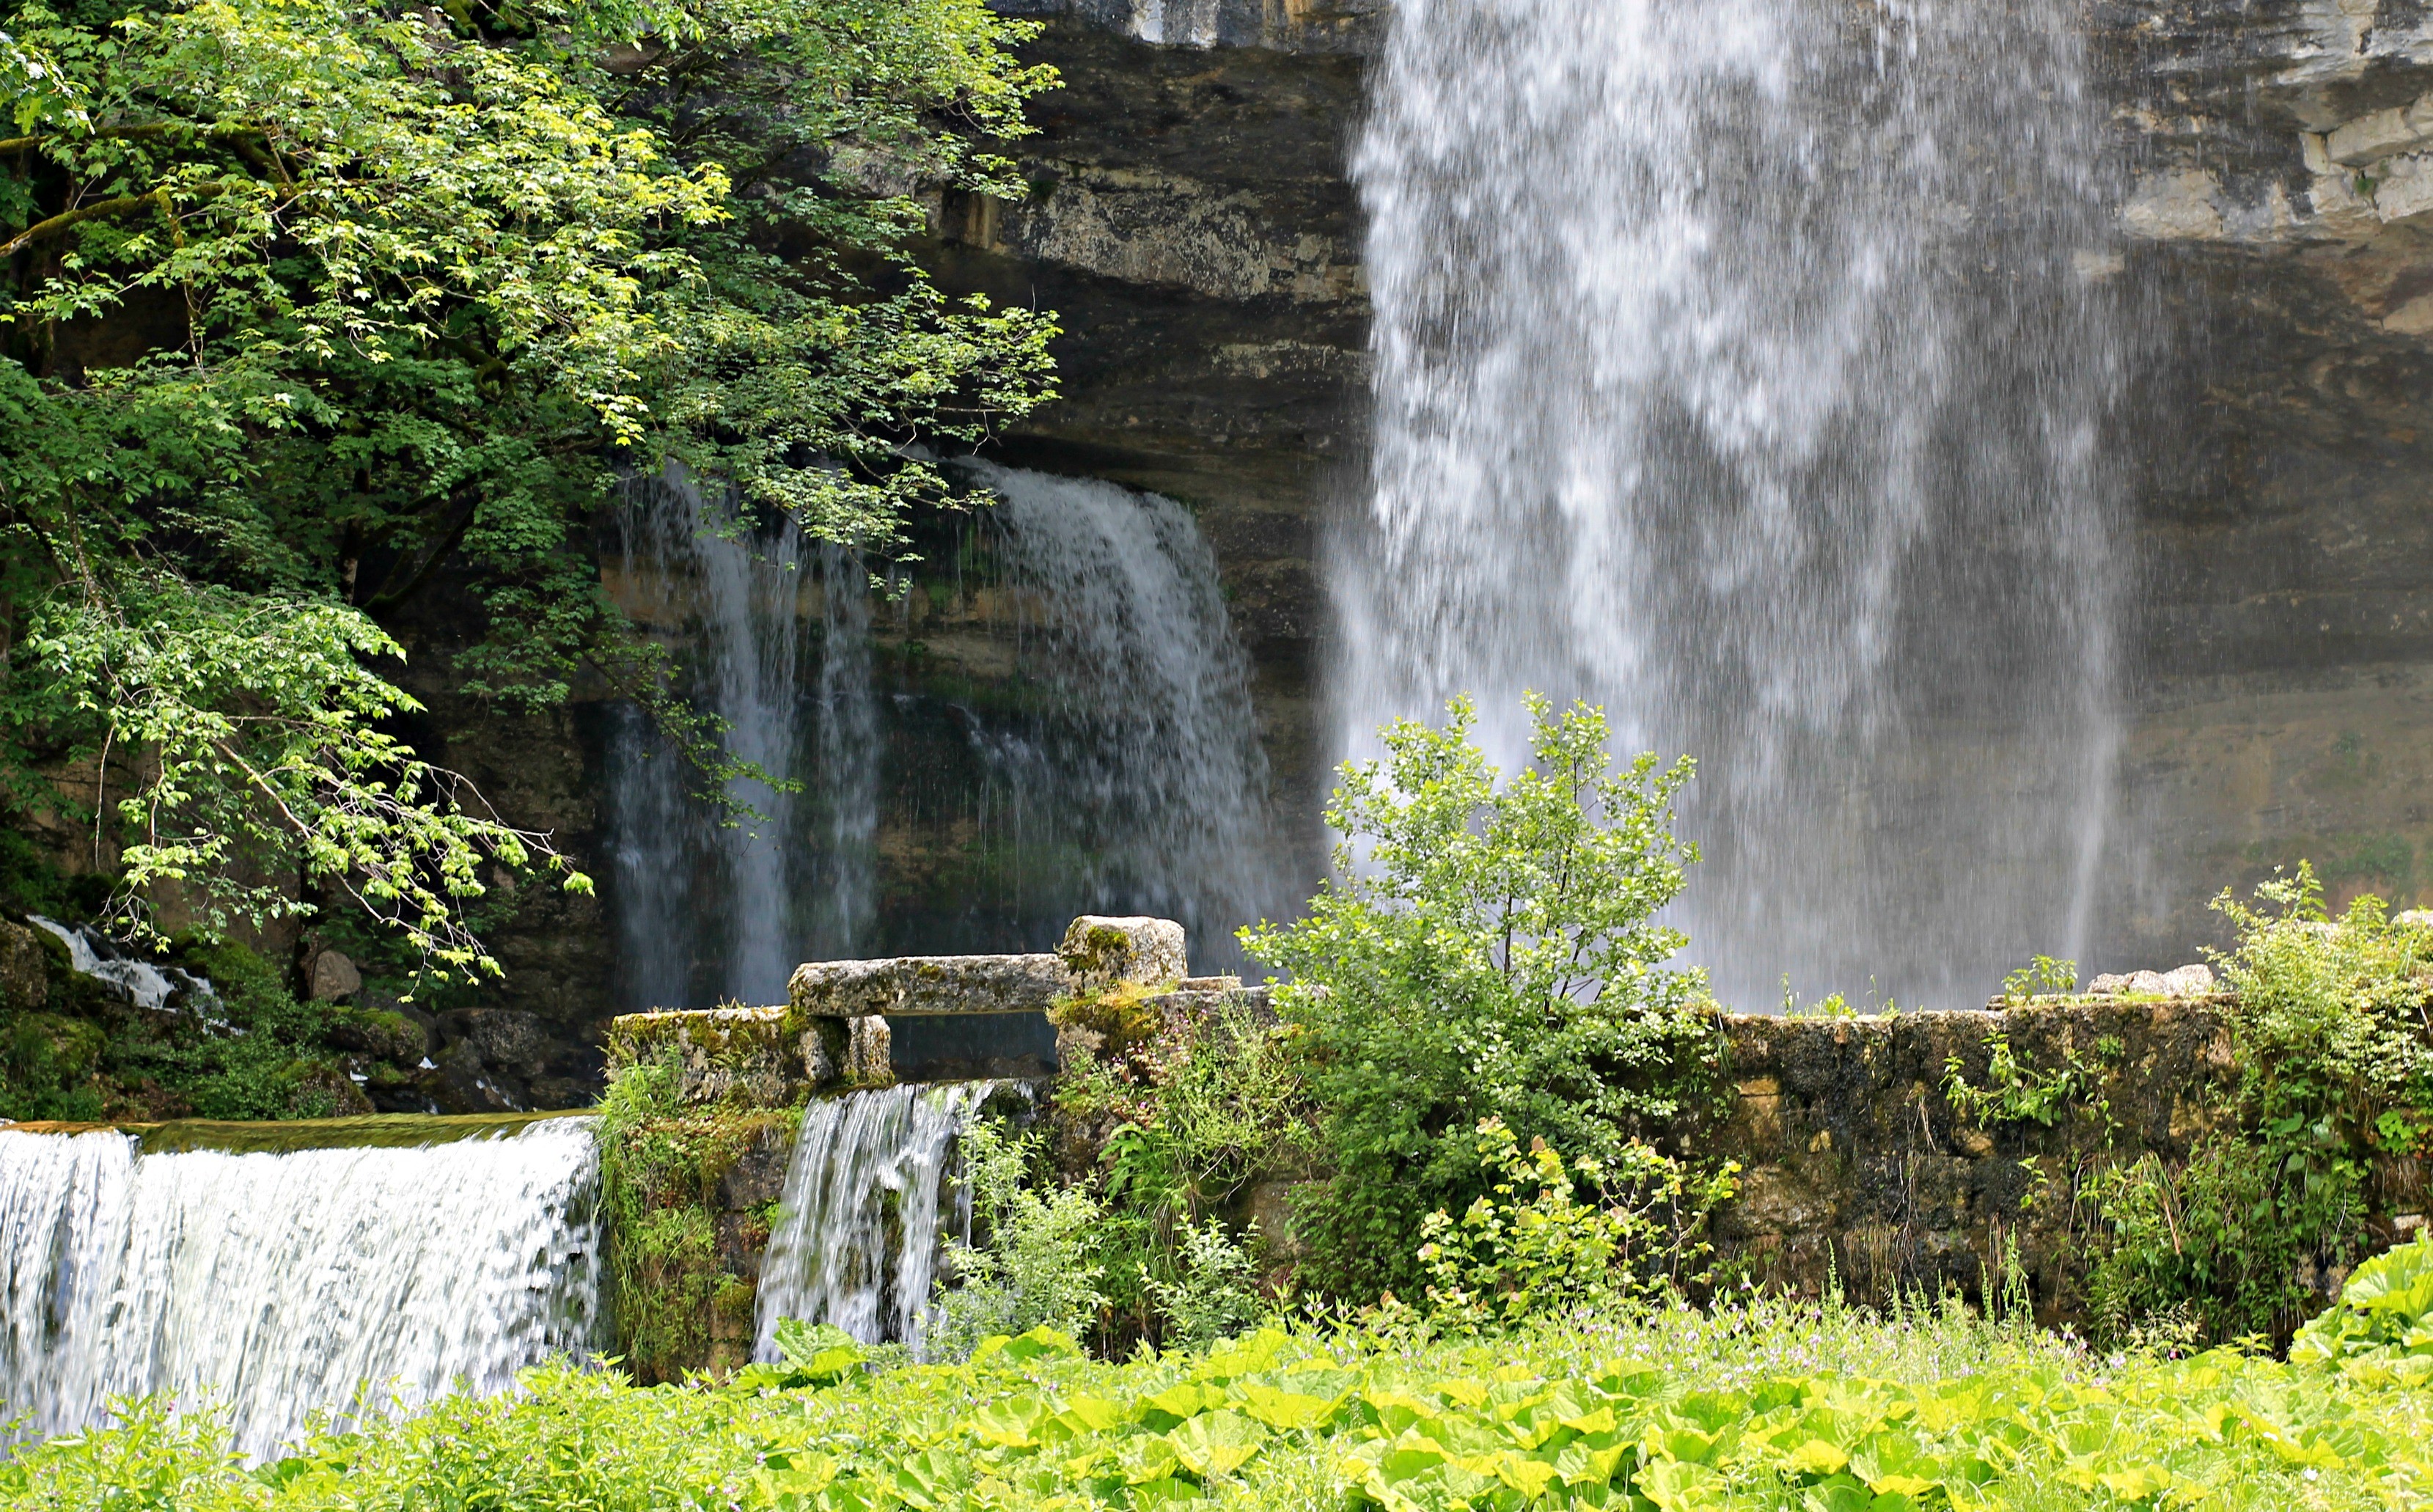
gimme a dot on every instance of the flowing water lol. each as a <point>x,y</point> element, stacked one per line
<point>1742,367</point>
<point>1143,763</point>
<point>706,909</point>
<point>867,1207</point>
<point>282,1286</point>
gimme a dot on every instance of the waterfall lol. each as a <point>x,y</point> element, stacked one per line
<point>860,1223</point>
<point>333,1282</point>
<point>707,909</point>
<point>1145,760</point>
<point>1742,367</point>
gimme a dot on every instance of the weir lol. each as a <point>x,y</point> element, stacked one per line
<point>281,1285</point>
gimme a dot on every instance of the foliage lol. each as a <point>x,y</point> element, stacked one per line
<point>662,1162</point>
<point>1183,1110</point>
<point>1036,1264</point>
<point>2015,1091</point>
<point>2329,1030</point>
<point>1512,1257</point>
<point>1487,949</point>
<point>809,1354</point>
<point>2383,1323</point>
<point>256,1052</point>
<point>1771,1407</point>
<point>310,311</point>
<point>1214,1292</point>
<point>2043,977</point>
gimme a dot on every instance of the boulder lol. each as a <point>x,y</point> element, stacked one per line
<point>506,1039</point>
<point>2182,982</point>
<point>1100,951</point>
<point>334,978</point>
<point>24,983</point>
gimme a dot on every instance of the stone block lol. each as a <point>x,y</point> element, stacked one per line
<point>1099,951</point>
<point>929,984</point>
<point>758,1057</point>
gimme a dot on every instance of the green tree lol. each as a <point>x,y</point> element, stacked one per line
<point>1487,950</point>
<point>306,306</point>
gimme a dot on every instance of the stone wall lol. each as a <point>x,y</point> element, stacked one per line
<point>1860,1168</point>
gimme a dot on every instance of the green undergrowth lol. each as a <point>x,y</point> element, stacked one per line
<point>1767,1405</point>
<point>2313,1150</point>
<point>674,1251</point>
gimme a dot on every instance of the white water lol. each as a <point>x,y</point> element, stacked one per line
<point>864,1216</point>
<point>285,1285</point>
<point>1741,366</point>
<point>709,911</point>
<point>138,982</point>
<point>1149,761</point>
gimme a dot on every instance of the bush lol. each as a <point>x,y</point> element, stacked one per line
<point>1512,1257</point>
<point>1037,1266</point>
<point>1488,950</point>
<point>2329,1029</point>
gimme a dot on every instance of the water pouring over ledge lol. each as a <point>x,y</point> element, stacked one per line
<point>283,1285</point>
<point>1743,367</point>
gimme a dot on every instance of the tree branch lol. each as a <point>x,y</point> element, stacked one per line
<point>65,220</point>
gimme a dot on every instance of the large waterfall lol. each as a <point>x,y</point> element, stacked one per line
<point>866,1207</point>
<point>1743,367</point>
<point>285,1285</point>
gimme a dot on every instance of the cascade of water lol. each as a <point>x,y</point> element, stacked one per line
<point>709,911</point>
<point>1740,367</point>
<point>284,1286</point>
<point>140,983</point>
<point>1148,761</point>
<point>860,1223</point>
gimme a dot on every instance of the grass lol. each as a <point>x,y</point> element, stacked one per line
<point>1767,1404</point>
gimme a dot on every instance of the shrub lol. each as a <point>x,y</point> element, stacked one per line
<point>1529,1247</point>
<point>1488,949</point>
<point>2329,1029</point>
<point>1037,1266</point>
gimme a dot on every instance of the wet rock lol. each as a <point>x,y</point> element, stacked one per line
<point>1100,951</point>
<point>460,1083</point>
<point>507,1039</point>
<point>381,1034</point>
<point>24,979</point>
<point>334,978</point>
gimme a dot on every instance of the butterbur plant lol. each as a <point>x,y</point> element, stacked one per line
<point>1531,1247</point>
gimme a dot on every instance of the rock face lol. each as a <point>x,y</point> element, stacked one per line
<point>2272,172</point>
<point>1192,221</point>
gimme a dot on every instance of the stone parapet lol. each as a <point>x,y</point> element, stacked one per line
<point>834,1031</point>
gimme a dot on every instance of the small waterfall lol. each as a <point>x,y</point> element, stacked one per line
<point>137,981</point>
<point>1146,761</point>
<point>707,910</point>
<point>1742,367</point>
<point>859,1224</point>
<point>285,1285</point>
